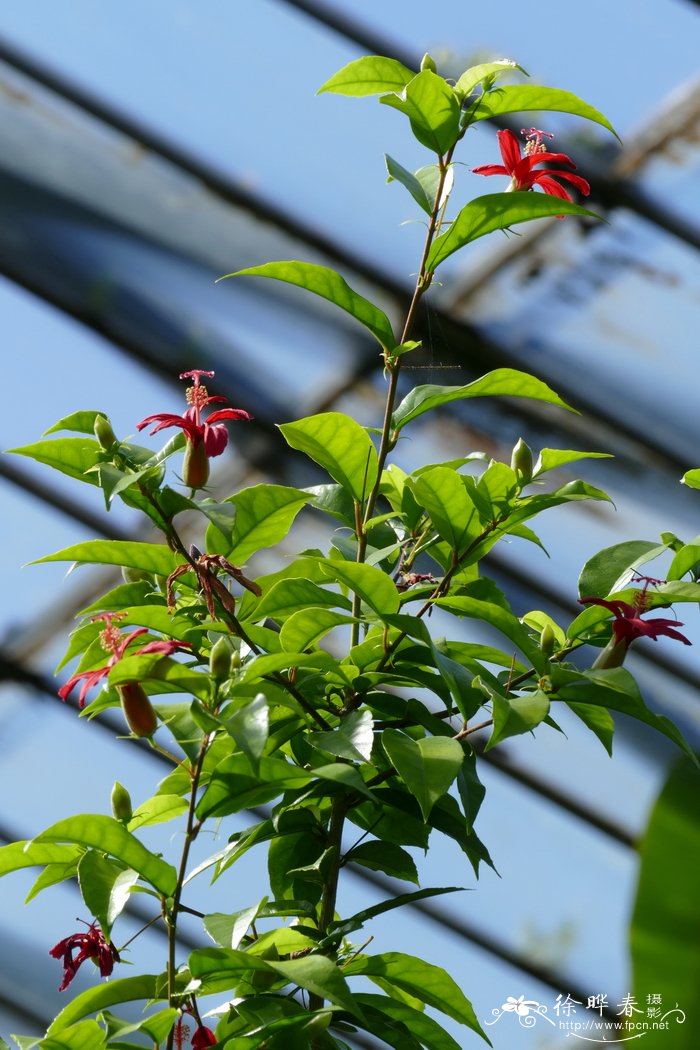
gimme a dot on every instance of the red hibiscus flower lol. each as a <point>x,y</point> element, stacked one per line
<point>522,169</point>
<point>90,945</point>
<point>116,643</point>
<point>205,438</point>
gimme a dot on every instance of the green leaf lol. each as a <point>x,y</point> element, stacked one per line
<point>471,78</point>
<point>118,990</point>
<point>612,568</point>
<point>502,619</point>
<point>306,627</point>
<point>338,444</point>
<point>234,786</point>
<point>345,926</point>
<point>598,720</point>
<point>525,98</point>
<point>82,422</point>
<point>687,559</point>
<point>153,557</point>
<point>428,983</point>
<point>71,456</point>
<point>264,515</point>
<point>432,108</point>
<point>374,587</point>
<point>271,662</point>
<point>429,1033</point>
<point>352,740</point>
<point>157,810</point>
<point>443,494</point>
<point>86,1035</point>
<point>229,930</point>
<point>316,973</point>
<point>501,382</point>
<point>517,715</point>
<point>410,182</point>
<point>346,776</point>
<point>691,478</point>
<point>106,834</point>
<point>30,854</point>
<point>329,285</point>
<point>370,75</point>
<point>249,727</point>
<point>666,918</point>
<point>498,211</point>
<point>285,597</point>
<point>427,766</point>
<point>105,887</point>
<point>549,458</point>
<point>51,875</point>
<point>381,856</point>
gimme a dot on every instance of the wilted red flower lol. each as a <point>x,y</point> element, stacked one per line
<point>628,625</point>
<point>522,170</point>
<point>205,438</point>
<point>202,1038</point>
<point>90,945</point>
<point>116,643</point>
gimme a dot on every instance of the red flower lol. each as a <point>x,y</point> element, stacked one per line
<point>91,945</point>
<point>522,171</point>
<point>205,439</point>
<point>116,643</point>
<point>202,1038</point>
<point>628,625</point>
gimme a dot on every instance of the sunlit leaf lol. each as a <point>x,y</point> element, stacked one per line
<point>263,515</point>
<point>374,587</point>
<point>370,75</point>
<point>105,887</point>
<point>472,77</point>
<point>71,456</point>
<point>427,766</point>
<point>526,98</point>
<point>519,714</point>
<point>117,990</point>
<point>338,444</point>
<point>153,557</point>
<point>432,108</point>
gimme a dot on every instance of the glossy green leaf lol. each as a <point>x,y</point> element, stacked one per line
<point>155,667</point>
<point>428,983</point>
<point>106,834</point>
<point>30,854</point>
<point>105,887</point>
<point>472,77</point>
<point>612,568</point>
<point>550,458</point>
<point>498,211</point>
<point>157,810</point>
<point>264,515</point>
<point>329,285</point>
<point>501,382</point>
<point>305,628</point>
<point>85,1035</point>
<point>410,182</point>
<point>426,1030</point>
<point>346,926</point>
<point>598,720</point>
<point>346,777</point>
<point>394,861</point>
<point>338,444</point>
<point>500,618</point>
<point>526,98</point>
<point>229,930</point>
<point>665,947</point>
<point>153,557</point>
<point>432,108</point>
<point>691,478</point>
<point>285,597</point>
<point>370,75</point>
<point>51,876</point>
<point>442,492</point>
<point>316,973</point>
<point>117,990</point>
<point>270,663</point>
<point>352,740</point>
<point>250,727</point>
<point>234,786</point>
<point>517,715</point>
<point>82,422</point>
<point>427,766</point>
<point>71,456</point>
<point>687,559</point>
<point>374,587</point>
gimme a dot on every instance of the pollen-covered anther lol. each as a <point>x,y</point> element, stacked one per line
<point>197,396</point>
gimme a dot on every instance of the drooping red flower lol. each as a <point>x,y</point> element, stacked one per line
<point>203,1038</point>
<point>90,945</point>
<point>628,625</point>
<point>205,438</point>
<point>522,169</point>
<point>116,643</point>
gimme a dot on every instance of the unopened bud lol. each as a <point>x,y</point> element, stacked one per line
<point>548,639</point>
<point>195,466</point>
<point>104,433</point>
<point>138,711</point>
<point>220,660</point>
<point>521,460</point>
<point>427,62</point>
<point>121,803</point>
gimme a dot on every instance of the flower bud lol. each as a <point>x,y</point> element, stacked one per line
<point>613,655</point>
<point>428,63</point>
<point>104,433</point>
<point>220,660</point>
<point>195,466</point>
<point>548,639</point>
<point>521,460</point>
<point>121,803</point>
<point>138,712</point>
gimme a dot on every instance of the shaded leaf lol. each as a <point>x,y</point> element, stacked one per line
<point>381,856</point>
<point>427,766</point>
<point>612,568</point>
